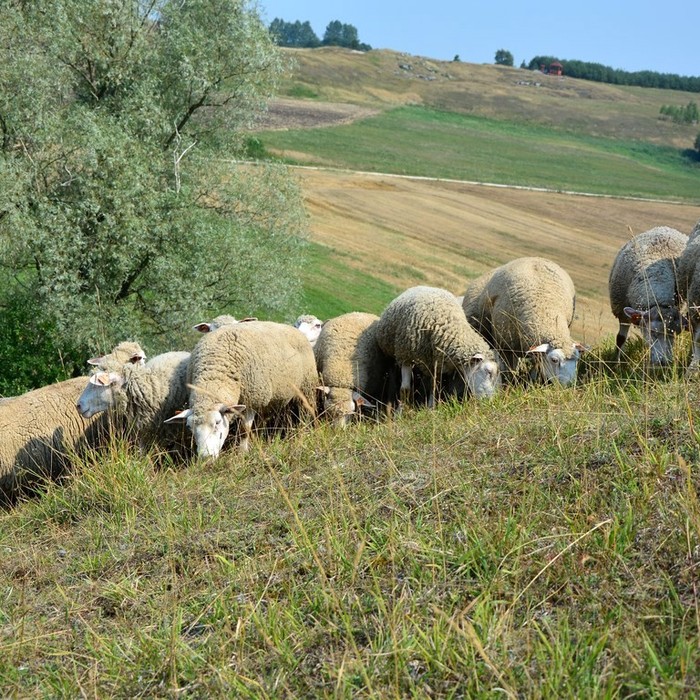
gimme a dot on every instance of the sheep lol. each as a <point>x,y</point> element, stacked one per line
<point>424,327</point>
<point>143,396</point>
<point>126,352</point>
<point>354,370</point>
<point>524,309</point>
<point>268,367</point>
<point>222,320</point>
<point>309,325</point>
<point>643,289</point>
<point>689,290</point>
<point>41,429</point>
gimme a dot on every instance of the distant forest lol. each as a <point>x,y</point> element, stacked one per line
<point>615,76</point>
<point>300,35</point>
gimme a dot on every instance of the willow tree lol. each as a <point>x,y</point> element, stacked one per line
<point>124,208</point>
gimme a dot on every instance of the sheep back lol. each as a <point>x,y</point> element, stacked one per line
<point>41,431</point>
<point>426,326</point>
<point>521,304</point>
<point>644,272</point>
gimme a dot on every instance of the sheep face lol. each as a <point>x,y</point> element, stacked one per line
<point>554,365</point>
<point>658,325</point>
<point>482,377</point>
<point>100,394</point>
<point>310,326</point>
<point>210,428</point>
<point>340,405</point>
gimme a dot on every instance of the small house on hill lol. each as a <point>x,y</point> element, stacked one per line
<point>554,68</point>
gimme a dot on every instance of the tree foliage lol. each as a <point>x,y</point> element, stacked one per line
<point>605,74</point>
<point>504,58</point>
<point>687,114</point>
<point>122,211</point>
<point>294,34</point>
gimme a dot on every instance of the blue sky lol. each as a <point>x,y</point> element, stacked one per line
<point>644,35</point>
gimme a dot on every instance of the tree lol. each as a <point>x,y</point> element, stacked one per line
<point>119,217</point>
<point>339,34</point>
<point>294,34</point>
<point>504,58</point>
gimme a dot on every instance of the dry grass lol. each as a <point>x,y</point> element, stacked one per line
<point>410,231</point>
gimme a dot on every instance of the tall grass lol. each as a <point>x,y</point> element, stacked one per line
<point>544,544</point>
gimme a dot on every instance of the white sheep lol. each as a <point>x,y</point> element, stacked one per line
<point>524,309</point>
<point>126,352</point>
<point>143,397</point>
<point>309,325</point>
<point>424,327</point>
<point>643,289</point>
<point>41,430</point>
<point>251,369</point>
<point>222,320</point>
<point>354,371</point>
<point>689,289</point>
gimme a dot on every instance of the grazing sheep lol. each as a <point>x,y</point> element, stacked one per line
<point>41,430</point>
<point>223,320</point>
<point>524,308</point>
<point>354,371</point>
<point>643,290</point>
<point>267,367</point>
<point>310,326</point>
<point>689,289</point>
<point>126,352</point>
<point>424,327</point>
<point>143,397</point>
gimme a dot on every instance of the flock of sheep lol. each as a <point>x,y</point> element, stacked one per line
<point>259,375</point>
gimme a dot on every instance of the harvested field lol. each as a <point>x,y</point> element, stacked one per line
<point>409,231</point>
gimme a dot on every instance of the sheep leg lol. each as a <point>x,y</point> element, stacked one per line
<point>621,338</point>
<point>406,377</point>
<point>247,421</point>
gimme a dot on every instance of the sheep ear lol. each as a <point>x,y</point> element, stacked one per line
<point>581,347</point>
<point>635,315</point>
<point>538,348</point>
<point>361,400</point>
<point>179,416</point>
<point>105,378</point>
<point>476,358</point>
<point>202,327</point>
<point>94,361</point>
<point>232,408</point>
<point>137,358</point>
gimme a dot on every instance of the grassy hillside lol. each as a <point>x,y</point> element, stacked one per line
<point>543,544</point>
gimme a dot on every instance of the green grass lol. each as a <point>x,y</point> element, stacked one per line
<point>544,544</point>
<point>423,142</point>
<point>332,286</point>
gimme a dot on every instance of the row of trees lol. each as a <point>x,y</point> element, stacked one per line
<point>300,35</point>
<point>605,74</point>
<point>122,212</point>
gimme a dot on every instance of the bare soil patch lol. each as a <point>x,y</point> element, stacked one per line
<point>305,114</point>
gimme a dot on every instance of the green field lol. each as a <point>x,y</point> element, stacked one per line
<point>424,142</point>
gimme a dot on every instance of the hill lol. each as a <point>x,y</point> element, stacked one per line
<point>380,234</point>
